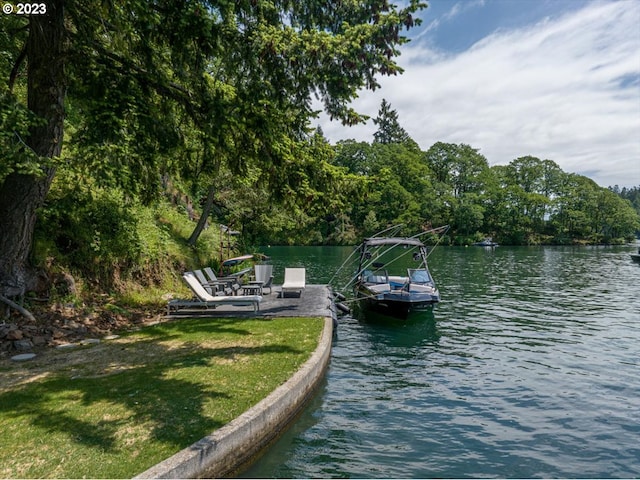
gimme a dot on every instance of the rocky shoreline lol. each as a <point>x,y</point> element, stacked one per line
<point>65,324</point>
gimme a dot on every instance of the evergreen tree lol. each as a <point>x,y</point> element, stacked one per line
<point>389,129</point>
<point>148,79</point>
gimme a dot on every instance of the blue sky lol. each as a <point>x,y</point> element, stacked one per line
<point>556,79</point>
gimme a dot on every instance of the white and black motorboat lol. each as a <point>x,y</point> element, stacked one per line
<point>393,277</point>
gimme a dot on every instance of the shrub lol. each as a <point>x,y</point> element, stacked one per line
<point>94,232</point>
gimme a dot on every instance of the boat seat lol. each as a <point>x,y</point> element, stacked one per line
<point>417,288</point>
<point>380,288</point>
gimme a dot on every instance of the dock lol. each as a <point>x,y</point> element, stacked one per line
<point>315,301</point>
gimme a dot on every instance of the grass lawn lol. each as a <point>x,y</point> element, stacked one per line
<point>114,409</point>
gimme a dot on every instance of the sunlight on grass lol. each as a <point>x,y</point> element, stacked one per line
<point>116,409</point>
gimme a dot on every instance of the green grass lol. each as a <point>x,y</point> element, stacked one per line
<point>115,409</point>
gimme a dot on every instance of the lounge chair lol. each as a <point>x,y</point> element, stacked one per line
<point>204,299</point>
<point>211,288</point>
<point>264,274</point>
<point>217,286</point>
<point>210,274</point>
<point>294,280</point>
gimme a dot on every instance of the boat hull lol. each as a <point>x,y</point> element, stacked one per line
<point>396,305</point>
<point>635,257</point>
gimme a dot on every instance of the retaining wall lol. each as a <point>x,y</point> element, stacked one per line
<point>226,450</point>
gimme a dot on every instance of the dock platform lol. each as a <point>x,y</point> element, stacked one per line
<point>315,301</point>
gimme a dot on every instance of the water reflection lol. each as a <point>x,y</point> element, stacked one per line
<point>418,330</point>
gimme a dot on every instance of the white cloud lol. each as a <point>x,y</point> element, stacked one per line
<point>566,89</point>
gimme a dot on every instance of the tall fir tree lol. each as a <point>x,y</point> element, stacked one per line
<point>389,129</point>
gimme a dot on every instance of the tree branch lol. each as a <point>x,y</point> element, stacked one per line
<point>14,71</point>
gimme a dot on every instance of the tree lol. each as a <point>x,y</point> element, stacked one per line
<point>461,177</point>
<point>139,74</point>
<point>389,129</point>
<point>24,190</point>
<point>460,167</point>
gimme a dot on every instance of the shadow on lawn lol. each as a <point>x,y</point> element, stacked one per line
<point>147,393</point>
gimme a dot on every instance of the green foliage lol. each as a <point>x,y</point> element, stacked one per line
<point>632,195</point>
<point>389,129</point>
<point>165,90</point>
<point>528,201</point>
<point>178,98</point>
<point>102,235</point>
<point>95,230</point>
<point>15,122</point>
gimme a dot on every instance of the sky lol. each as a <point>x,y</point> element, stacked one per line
<point>554,79</point>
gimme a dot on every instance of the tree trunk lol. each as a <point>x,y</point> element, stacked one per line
<point>206,211</point>
<point>21,195</point>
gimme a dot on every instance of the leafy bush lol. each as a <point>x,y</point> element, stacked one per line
<point>117,244</point>
<point>94,230</point>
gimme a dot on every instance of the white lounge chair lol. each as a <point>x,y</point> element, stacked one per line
<point>264,274</point>
<point>204,299</point>
<point>294,280</point>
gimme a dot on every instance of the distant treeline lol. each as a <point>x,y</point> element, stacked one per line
<point>390,181</point>
<point>529,201</point>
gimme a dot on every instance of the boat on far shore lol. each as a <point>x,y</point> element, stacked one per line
<point>487,242</point>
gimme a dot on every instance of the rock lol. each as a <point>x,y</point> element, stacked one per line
<point>14,335</point>
<point>22,345</point>
<point>57,333</point>
<point>39,340</point>
<point>23,357</point>
<point>65,284</point>
<point>6,328</point>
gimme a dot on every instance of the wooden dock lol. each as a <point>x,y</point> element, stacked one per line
<point>315,301</point>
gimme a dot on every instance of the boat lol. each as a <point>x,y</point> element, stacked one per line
<point>487,242</point>
<point>394,292</point>
<point>636,256</point>
<point>232,266</point>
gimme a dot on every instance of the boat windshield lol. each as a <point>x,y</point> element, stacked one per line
<point>419,275</point>
<point>378,277</point>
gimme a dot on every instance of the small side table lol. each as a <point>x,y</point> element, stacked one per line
<point>254,287</point>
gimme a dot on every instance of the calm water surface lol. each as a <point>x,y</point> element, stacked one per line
<point>528,368</point>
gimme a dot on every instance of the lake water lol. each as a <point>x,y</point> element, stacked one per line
<point>529,367</point>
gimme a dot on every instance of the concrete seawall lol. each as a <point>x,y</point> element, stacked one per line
<point>226,450</point>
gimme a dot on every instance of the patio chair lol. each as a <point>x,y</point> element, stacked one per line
<point>294,280</point>
<point>223,285</point>
<point>264,274</point>
<point>210,288</point>
<point>203,299</point>
<point>210,274</point>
